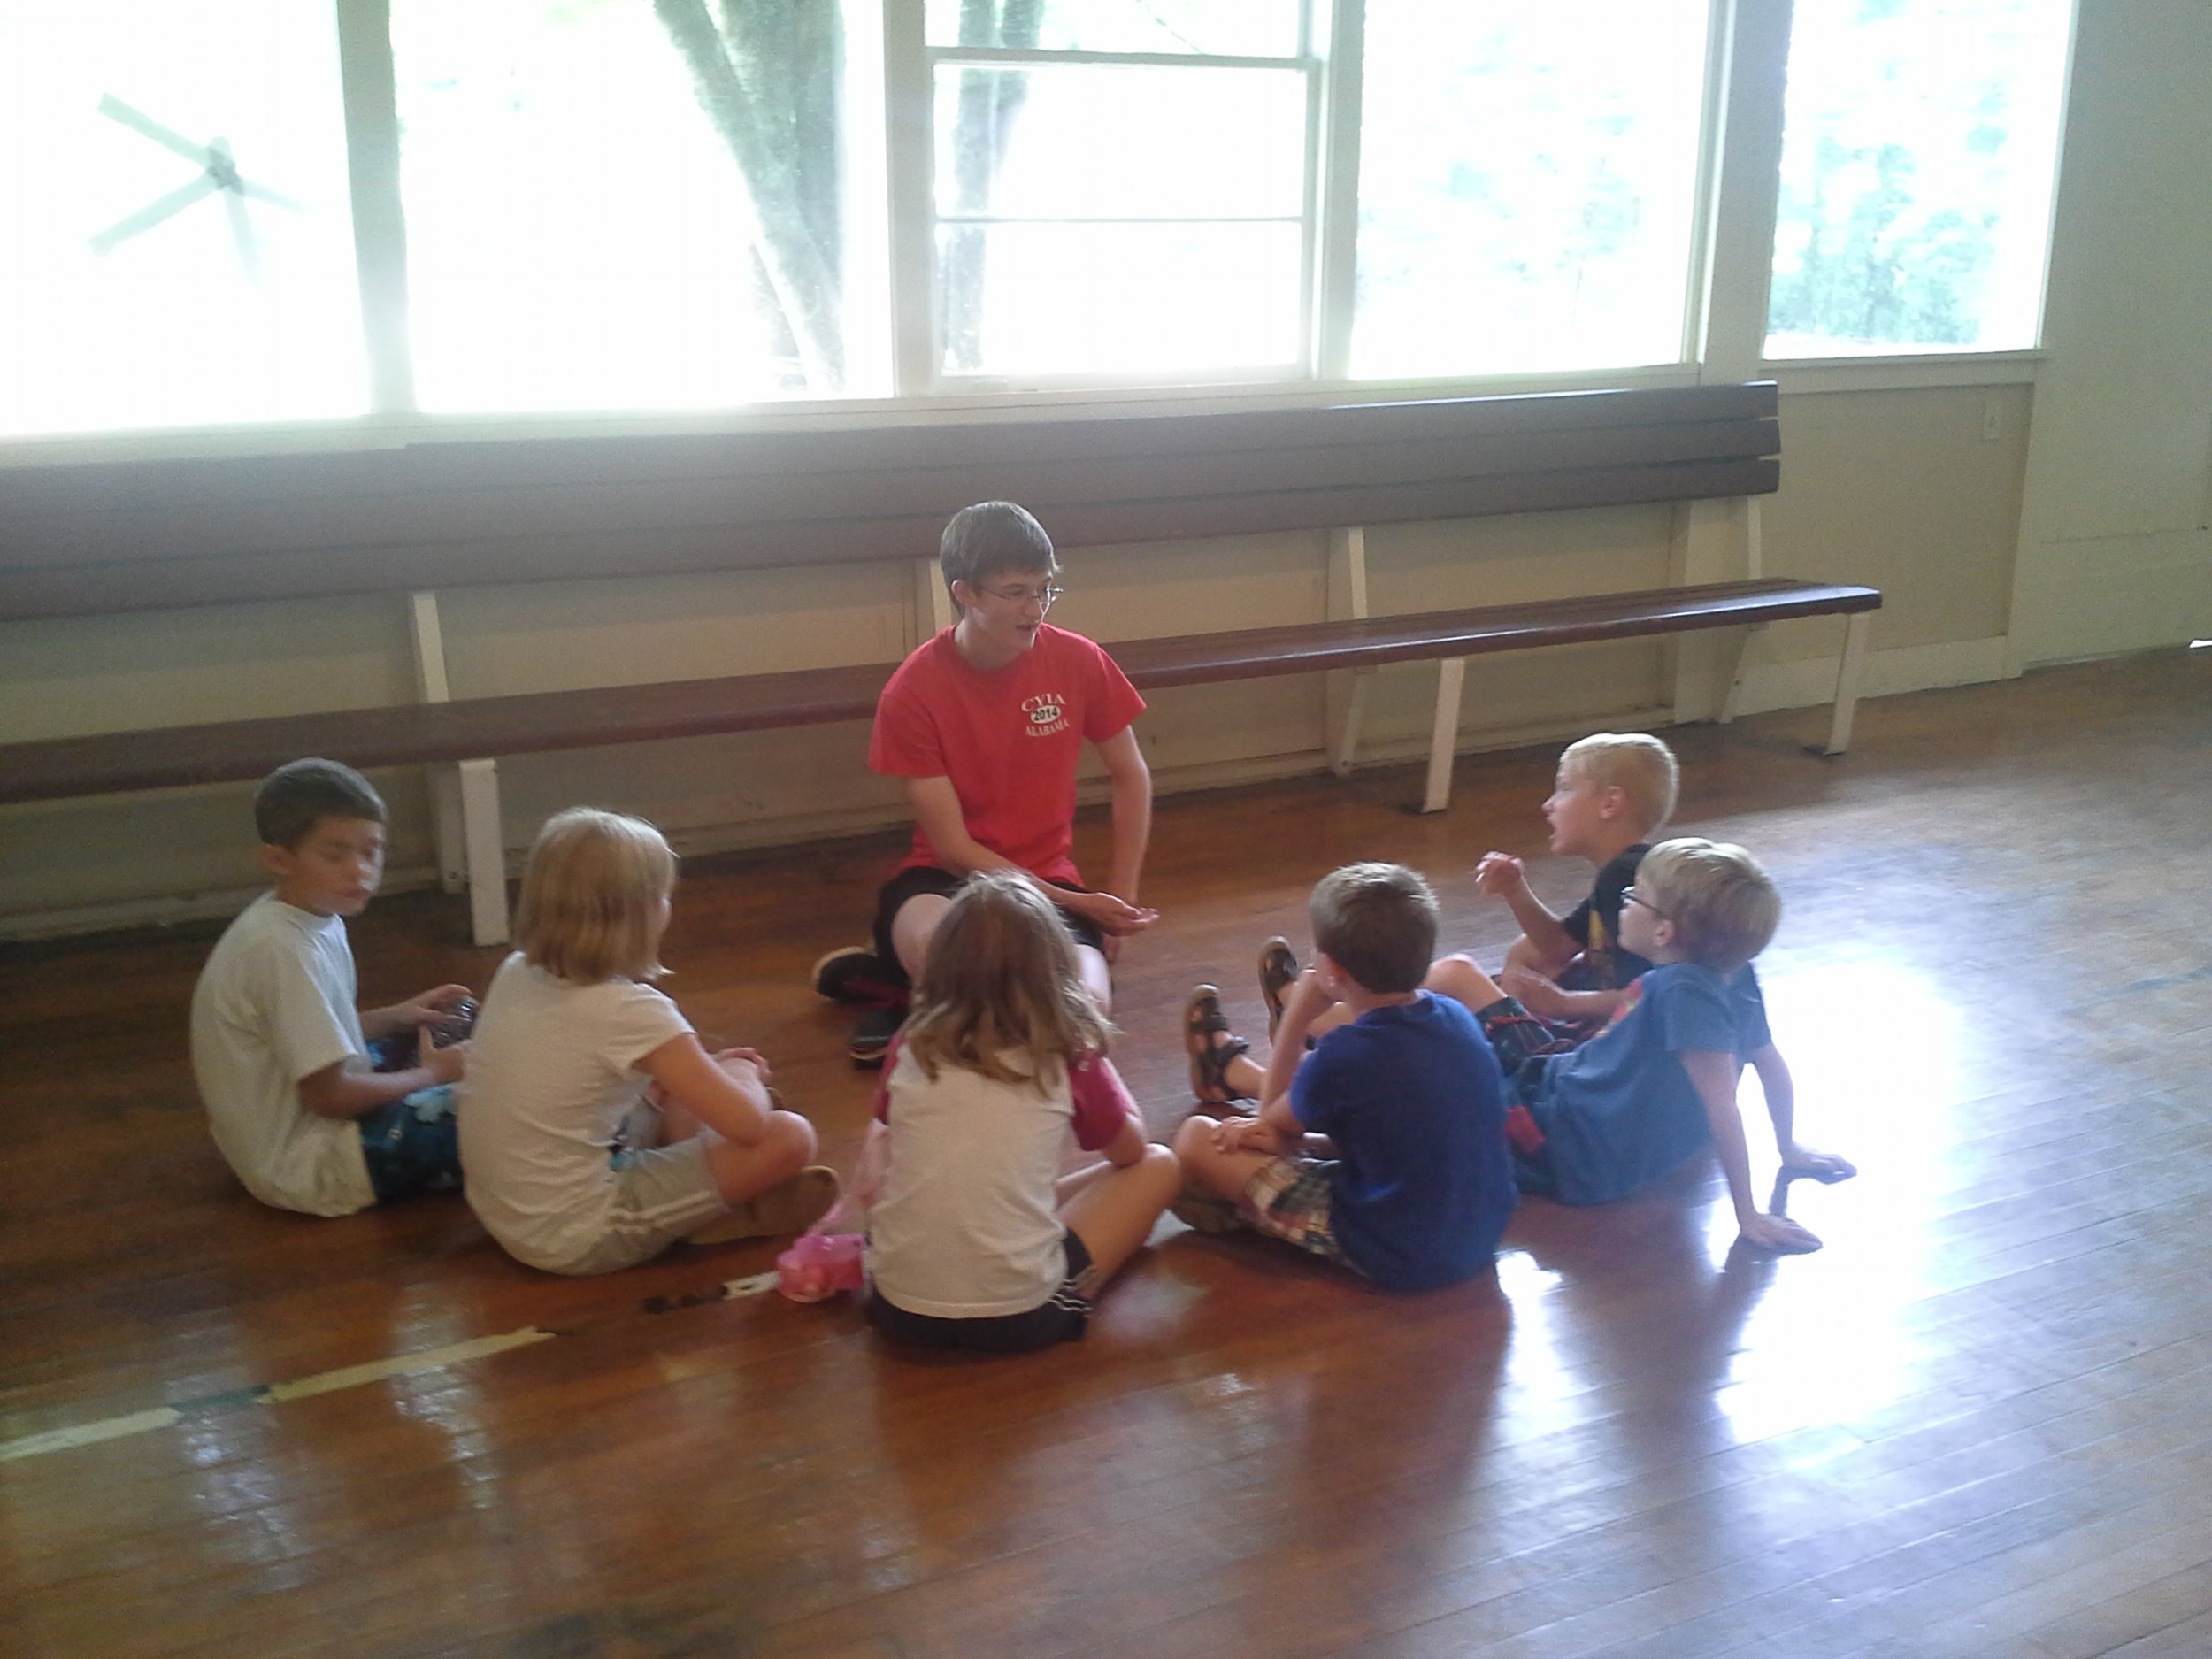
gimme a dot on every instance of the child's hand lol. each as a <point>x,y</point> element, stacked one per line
<point>432,1006</point>
<point>1822,1166</point>
<point>742,1061</point>
<point>445,1064</point>
<point>1777,1234</point>
<point>1498,875</point>
<point>1115,916</point>
<point>1538,994</point>
<point>1240,1134</point>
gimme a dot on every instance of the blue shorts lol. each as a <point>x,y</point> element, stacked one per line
<point>413,1145</point>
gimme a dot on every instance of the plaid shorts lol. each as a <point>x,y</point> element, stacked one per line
<point>1517,1035</point>
<point>1288,1199</point>
<point>1524,1045</point>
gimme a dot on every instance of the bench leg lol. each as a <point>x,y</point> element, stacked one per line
<point>1855,632</point>
<point>1451,675</point>
<point>446,824</point>
<point>486,854</point>
<point>1732,688</point>
<point>1355,710</point>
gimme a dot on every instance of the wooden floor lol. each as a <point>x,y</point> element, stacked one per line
<point>1979,1423</point>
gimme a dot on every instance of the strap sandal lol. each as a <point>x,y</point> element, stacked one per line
<point>1203,1022</point>
<point>1279,971</point>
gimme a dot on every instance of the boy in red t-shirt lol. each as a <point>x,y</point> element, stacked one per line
<point>985,723</point>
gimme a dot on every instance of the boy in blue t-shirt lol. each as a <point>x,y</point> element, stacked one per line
<point>1659,1082</point>
<point>1408,1092</point>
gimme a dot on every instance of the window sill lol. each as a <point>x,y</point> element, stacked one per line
<point>984,404</point>
<point>979,405</point>
<point>1903,373</point>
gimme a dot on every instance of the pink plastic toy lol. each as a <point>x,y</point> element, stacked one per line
<point>820,1264</point>
<point>828,1259</point>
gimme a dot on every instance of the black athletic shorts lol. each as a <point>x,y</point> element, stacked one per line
<point>1061,1317</point>
<point>927,878</point>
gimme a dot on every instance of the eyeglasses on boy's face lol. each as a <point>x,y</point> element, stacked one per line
<point>1042,597</point>
<point>1629,895</point>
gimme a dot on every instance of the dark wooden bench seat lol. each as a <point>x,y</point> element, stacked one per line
<point>532,723</point>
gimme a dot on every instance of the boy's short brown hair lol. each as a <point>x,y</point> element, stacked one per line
<point>1635,762</point>
<point>990,538</point>
<point>1723,905</point>
<point>1378,923</point>
<point>300,793</point>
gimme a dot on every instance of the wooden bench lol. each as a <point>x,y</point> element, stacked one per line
<point>473,728</point>
<point>155,535</point>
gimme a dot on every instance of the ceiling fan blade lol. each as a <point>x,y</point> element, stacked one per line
<point>152,214</point>
<point>116,110</point>
<point>274,198</point>
<point>241,235</point>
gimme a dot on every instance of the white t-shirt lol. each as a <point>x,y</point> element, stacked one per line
<point>966,1227</point>
<point>552,1073</point>
<point>275,1003</point>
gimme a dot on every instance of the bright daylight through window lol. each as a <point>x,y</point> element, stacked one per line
<point>1919,154</point>
<point>601,206</point>
<point>1528,186</point>
<point>180,248</point>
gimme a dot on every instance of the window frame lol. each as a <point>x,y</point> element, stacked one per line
<point>913,195</point>
<point>891,278</point>
<point>1892,370</point>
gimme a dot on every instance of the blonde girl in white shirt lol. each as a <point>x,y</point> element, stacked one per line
<point>598,1130</point>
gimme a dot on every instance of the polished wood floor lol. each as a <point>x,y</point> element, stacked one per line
<point>1979,1423</point>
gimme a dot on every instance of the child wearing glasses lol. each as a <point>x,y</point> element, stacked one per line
<point>1567,974</point>
<point>1658,1083</point>
<point>985,724</point>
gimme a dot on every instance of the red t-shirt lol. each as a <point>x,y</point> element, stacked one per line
<point>1008,738</point>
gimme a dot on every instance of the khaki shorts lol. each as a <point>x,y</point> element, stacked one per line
<point>661,1194</point>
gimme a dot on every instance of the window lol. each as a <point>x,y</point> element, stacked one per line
<point>645,205</point>
<point>578,236</point>
<point>180,244</point>
<point>1120,188</point>
<point>1528,185</point>
<point>1920,151</point>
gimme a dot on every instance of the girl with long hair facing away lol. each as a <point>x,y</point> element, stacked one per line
<point>977,1240</point>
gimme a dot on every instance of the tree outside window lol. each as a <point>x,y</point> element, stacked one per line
<point>1919,154</point>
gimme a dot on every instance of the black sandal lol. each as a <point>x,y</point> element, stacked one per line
<point>1203,1022</point>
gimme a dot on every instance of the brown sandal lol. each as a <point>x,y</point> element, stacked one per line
<point>1203,1022</point>
<point>1279,971</point>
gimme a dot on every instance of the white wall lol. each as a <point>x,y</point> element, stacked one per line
<point>2115,533</point>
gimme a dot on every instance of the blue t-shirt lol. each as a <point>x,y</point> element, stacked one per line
<point>1412,1097</point>
<point>1621,1111</point>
